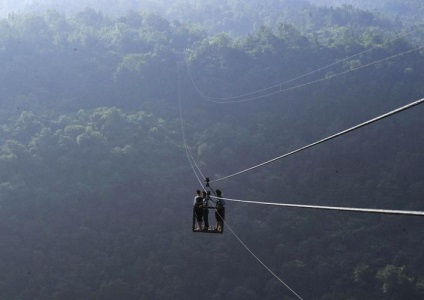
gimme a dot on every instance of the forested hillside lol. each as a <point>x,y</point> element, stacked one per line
<point>408,11</point>
<point>96,189</point>
<point>240,17</point>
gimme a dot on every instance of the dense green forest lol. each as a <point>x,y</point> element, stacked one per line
<point>96,190</point>
<point>408,11</point>
<point>243,16</point>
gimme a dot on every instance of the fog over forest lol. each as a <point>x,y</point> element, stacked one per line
<point>407,11</point>
<point>112,115</point>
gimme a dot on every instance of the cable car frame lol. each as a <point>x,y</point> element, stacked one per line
<point>210,229</point>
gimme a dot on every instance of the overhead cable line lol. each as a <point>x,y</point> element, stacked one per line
<point>281,90</point>
<point>188,153</point>
<point>279,85</point>
<point>192,163</point>
<point>393,112</point>
<point>349,209</point>
<point>260,261</point>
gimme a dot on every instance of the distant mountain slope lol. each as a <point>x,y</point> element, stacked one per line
<point>408,11</point>
<point>96,189</point>
<point>238,17</point>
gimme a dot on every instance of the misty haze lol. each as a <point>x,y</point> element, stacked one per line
<point>113,114</point>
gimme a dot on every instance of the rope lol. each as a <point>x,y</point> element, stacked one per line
<point>196,165</point>
<point>231,230</point>
<point>350,209</point>
<point>188,153</point>
<point>300,85</point>
<point>258,259</point>
<point>279,85</point>
<point>393,112</point>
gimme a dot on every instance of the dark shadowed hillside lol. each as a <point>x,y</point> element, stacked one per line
<point>96,188</point>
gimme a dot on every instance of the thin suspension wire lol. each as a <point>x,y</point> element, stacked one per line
<point>299,77</point>
<point>194,162</point>
<point>258,259</point>
<point>350,209</point>
<point>279,85</point>
<point>182,127</point>
<point>232,231</point>
<point>393,112</point>
<point>304,84</point>
<point>196,165</point>
<point>188,153</point>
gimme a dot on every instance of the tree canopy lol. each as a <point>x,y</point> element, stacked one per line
<point>96,189</point>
